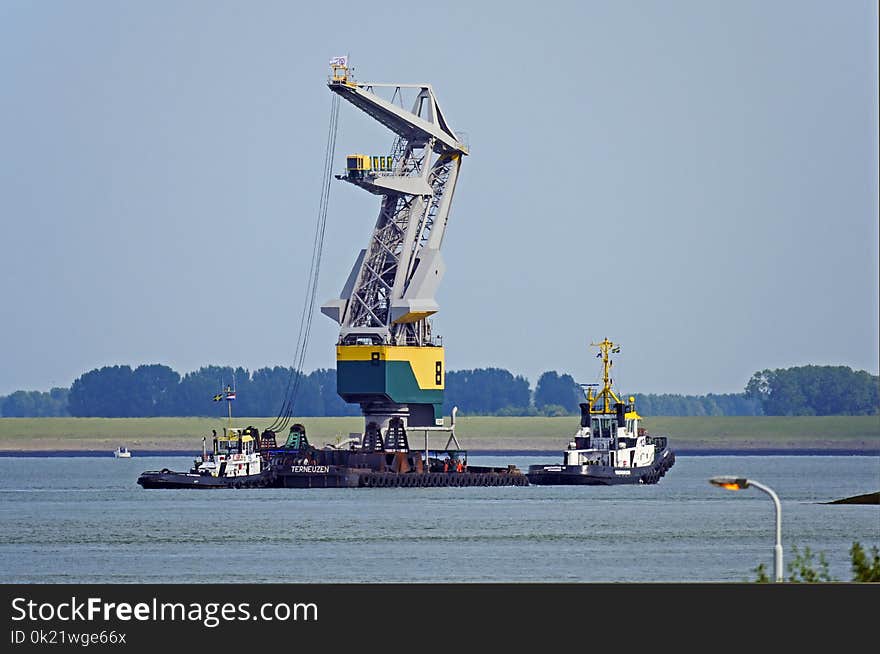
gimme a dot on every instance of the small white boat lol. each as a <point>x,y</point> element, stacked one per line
<point>122,453</point>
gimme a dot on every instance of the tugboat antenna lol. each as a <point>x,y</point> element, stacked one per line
<point>607,394</point>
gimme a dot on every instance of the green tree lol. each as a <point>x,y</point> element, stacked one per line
<point>35,404</point>
<point>194,396</point>
<point>19,404</point>
<point>153,390</point>
<point>106,392</point>
<point>485,391</point>
<point>309,400</point>
<point>815,390</point>
<point>555,390</point>
<point>267,390</point>
<point>554,410</point>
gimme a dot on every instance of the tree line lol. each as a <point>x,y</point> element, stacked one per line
<point>157,390</point>
<point>815,391</point>
<point>494,391</point>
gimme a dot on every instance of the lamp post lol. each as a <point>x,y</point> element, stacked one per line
<point>740,483</point>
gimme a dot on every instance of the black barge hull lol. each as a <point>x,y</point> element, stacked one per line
<point>318,476</point>
<point>334,477</point>
<point>593,475</point>
<point>364,478</point>
<point>441,479</point>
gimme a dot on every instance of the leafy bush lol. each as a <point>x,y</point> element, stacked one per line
<point>803,569</point>
<point>863,570</point>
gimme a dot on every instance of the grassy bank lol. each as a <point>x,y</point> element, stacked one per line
<point>474,433</point>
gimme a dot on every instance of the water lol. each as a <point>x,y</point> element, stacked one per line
<point>75,519</point>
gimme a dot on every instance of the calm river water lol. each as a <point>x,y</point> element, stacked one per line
<point>78,519</point>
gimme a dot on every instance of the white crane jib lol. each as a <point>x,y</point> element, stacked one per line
<point>390,291</point>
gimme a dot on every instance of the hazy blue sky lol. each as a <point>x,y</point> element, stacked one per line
<point>695,180</point>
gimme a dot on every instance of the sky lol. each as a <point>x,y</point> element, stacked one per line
<point>695,180</point>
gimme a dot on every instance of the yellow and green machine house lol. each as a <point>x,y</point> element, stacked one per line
<point>402,375</point>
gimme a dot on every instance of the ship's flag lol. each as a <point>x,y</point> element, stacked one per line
<point>218,397</point>
<point>230,395</point>
<point>339,61</point>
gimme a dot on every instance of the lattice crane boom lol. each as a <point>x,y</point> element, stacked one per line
<point>391,288</point>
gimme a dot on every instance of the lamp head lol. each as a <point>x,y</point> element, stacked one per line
<point>730,483</point>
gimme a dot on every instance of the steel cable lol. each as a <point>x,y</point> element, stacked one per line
<point>295,377</point>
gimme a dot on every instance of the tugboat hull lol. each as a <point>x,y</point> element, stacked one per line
<point>598,475</point>
<point>170,479</point>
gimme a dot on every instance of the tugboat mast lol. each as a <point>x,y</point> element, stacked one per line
<point>606,394</point>
<point>228,395</point>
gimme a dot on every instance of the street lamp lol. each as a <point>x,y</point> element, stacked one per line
<point>739,483</point>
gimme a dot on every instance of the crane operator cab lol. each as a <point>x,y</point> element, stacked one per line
<point>359,165</point>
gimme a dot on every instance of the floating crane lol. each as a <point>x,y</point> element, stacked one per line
<point>387,359</point>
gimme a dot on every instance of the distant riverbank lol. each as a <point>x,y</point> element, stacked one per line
<point>709,435</point>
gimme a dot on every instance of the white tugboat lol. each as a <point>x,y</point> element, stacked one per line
<point>610,446</point>
<point>236,460</point>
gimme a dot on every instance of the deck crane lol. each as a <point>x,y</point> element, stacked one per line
<point>388,361</point>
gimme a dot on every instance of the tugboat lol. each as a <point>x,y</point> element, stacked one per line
<point>610,446</point>
<point>234,462</point>
<point>237,460</point>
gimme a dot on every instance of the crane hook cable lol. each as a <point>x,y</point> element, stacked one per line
<point>308,308</point>
<point>296,373</point>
